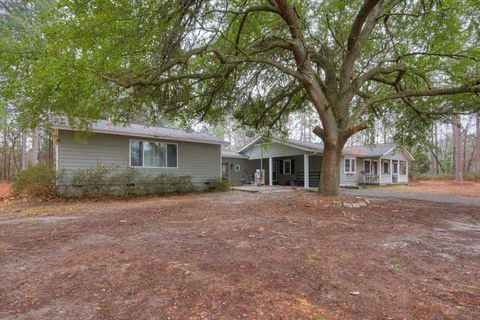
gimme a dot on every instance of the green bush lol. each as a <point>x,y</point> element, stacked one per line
<point>473,176</point>
<point>168,183</point>
<point>184,184</point>
<point>91,182</point>
<point>124,182</point>
<point>98,182</point>
<point>37,181</point>
<point>218,184</point>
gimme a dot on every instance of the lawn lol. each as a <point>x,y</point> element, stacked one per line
<point>239,255</point>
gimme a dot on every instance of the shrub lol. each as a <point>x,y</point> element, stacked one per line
<point>184,184</point>
<point>218,184</point>
<point>91,182</point>
<point>37,181</point>
<point>473,176</point>
<point>124,182</point>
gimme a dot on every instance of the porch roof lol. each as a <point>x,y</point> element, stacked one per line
<point>233,154</point>
<point>376,150</point>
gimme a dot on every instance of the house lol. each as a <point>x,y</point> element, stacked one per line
<point>151,150</point>
<point>154,151</point>
<point>292,162</point>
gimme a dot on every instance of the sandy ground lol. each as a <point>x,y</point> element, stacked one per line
<point>239,255</point>
<point>438,187</point>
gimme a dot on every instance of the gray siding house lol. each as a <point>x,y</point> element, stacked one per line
<point>154,151</point>
<point>292,162</point>
<point>151,150</point>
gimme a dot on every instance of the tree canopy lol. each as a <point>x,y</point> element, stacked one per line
<point>257,61</point>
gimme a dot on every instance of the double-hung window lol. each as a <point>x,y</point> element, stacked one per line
<point>386,167</point>
<point>150,154</point>
<point>287,166</point>
<point>349,165</point>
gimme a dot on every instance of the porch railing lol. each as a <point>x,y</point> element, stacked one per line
<point>313,178</point>
<point>369,178</point>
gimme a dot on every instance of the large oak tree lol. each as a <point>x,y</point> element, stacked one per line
<point>256,60</point>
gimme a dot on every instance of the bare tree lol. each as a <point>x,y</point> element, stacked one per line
<point>35,142</point>
<point>457,148</point>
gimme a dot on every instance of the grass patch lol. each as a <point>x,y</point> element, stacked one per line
<point>311,260</point>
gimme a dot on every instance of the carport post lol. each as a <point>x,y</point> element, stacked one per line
<point>391,171</point>
<point>270,171</point>
<point>306,171</point>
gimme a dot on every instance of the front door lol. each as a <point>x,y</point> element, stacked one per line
<point>225,168</point>
<point>375,167</point>
<point>395,171</point>
<point>275,171</point>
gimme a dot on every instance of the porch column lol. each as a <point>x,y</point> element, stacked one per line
<point>391,171</point>
<point>270,172</point>
<point>379,170</point>
<point>306,171</point>
<point>406,167</point>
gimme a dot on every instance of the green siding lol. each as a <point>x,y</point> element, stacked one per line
<point>235,177</point>
<point>274,150</point>
<point>199,160</point>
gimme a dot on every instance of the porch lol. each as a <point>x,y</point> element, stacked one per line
<point>301,170</point>
<point>377,171</point>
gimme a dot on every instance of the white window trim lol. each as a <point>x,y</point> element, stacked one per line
<point>393,166</point>
<point>354,160</point>
<point>370,161</point>
<point>290,167</point>
<point>400,168</point>
<point>389,169</point>
<point>143,155</point>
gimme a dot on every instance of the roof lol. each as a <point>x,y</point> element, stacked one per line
<point>376,150</point>
<point>137,130</point>
<point>233,154</point>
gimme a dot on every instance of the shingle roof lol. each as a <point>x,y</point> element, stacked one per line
<point>138,130</point>
<point>233,154</point>
<point>314,146</point>
<point>376,150</point>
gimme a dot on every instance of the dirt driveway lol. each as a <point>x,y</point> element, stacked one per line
<point>443,191</point>
<point>239,255</point>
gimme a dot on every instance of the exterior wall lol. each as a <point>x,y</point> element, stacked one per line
<point>235,177</point>
<point>347,179</point>
<point>199,160</point>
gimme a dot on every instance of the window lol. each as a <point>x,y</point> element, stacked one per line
<point>349,165</point>
<point>386,167</point>
<point>136,153</point>
<point>287,166</point>
<point>403,168</point>
<point>395,167</point>
<point>367,166</point>
<point>151,154</point>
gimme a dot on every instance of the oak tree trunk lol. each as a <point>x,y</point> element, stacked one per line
<point>330,171</point>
